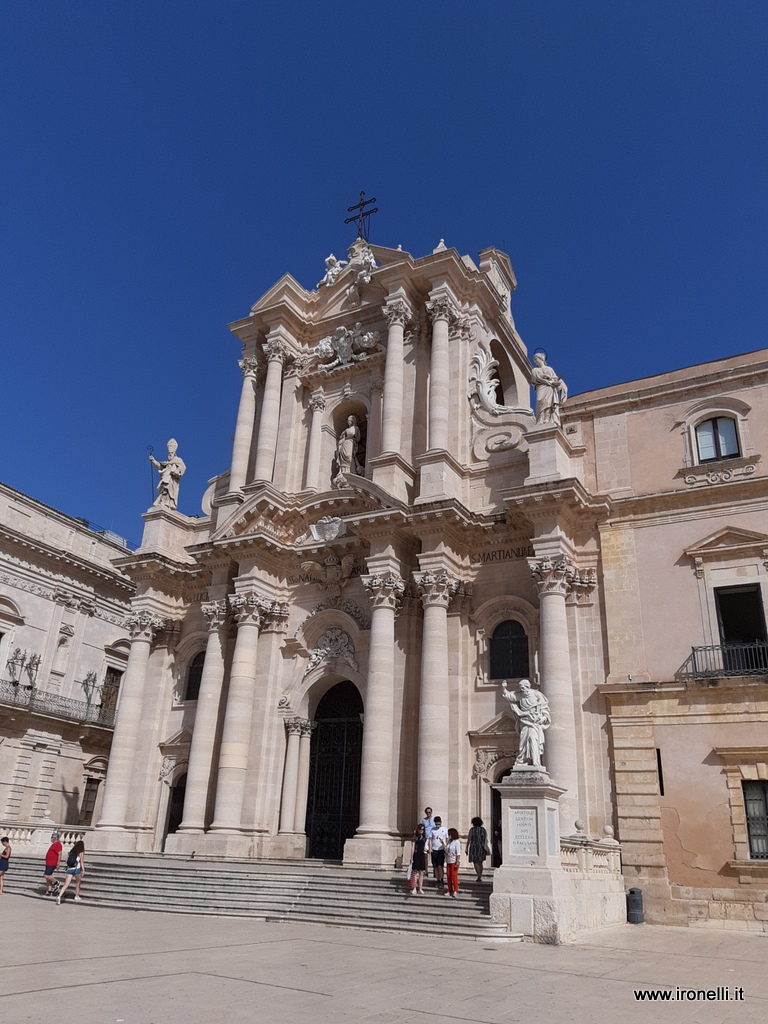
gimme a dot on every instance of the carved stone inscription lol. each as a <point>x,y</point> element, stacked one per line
<point>523,831</point>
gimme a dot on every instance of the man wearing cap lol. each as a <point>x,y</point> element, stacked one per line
<point>51,863</point>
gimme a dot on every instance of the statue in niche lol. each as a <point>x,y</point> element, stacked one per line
<point>333,268</point>
<point>551,391</point>
<point>171,471</point>
<point>531,710</point>
<point>347,447</point>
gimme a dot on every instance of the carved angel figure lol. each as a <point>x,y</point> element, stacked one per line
<point>333,268</point>
<point>362,261</point>
<point>483,381</point>
<point>331,575</point>
<point>339,347</point>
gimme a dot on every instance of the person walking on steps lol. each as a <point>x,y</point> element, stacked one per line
<point>452,862</point>
<point>418,860</point>
<point>477,846</point>
<point>51,863</point>
<point>75,870</point>
<point>437,844</point>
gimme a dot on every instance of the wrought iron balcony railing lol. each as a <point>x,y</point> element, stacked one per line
<point>51,703</point>
<point>730,660</point>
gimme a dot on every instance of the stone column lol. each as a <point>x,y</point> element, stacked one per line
<point>290,775</point>
<point>246,413</point>
<point>373,447</point>
<point>384,593</point>
<point>233,757</point>
<point>302,784</point>
<point>441,311</point>
<point>266,443</point>
<point>142,627</point>
<point>436,591</point>
<point>314,454</point>
<point>206,720</point>
<point>553,581</point>
<point>397,314</point>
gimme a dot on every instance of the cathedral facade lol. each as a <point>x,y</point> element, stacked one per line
<point>320,656</point>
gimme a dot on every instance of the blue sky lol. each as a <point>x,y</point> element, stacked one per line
<point>165,162</point>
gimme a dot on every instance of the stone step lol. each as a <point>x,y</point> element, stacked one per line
<point>324,894</point>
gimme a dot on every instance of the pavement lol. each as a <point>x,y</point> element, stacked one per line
<point>79,965</point>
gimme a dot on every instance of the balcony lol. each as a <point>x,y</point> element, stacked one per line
<point>729,660</point>
<point>19,695</point>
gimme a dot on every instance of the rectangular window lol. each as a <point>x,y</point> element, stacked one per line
<point>89,801</point>
<point>756,806</point>
<point>726,436</point>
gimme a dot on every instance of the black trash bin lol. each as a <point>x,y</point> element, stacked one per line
<point>635,906</point>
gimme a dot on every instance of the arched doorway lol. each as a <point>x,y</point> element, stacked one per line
<point>333,805</point>
<point>176,804</point>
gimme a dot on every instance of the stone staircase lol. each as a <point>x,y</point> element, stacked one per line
<point>290,891</point>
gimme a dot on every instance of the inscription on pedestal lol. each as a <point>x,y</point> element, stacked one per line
<point>524,839</point>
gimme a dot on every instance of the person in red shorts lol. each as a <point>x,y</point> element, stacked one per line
<point>51,863</point>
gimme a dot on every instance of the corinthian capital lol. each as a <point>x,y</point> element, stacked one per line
<point>215,613</point>
<point>561,576</point>
<point>274,349</point>
<point>317,402</point>
<point>436,587</point>
<point>441,308</point>
<point>249,367</point>
<point>294,726</point>
<point>397,313</point>
<point>384,591</point>
<point>246,609</point>
<point>274,616</point>
<point>144,626</point>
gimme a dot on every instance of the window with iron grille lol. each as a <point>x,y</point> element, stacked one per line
<point>756,806</point>
<point>508,651</point>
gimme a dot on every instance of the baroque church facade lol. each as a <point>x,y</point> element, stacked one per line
<point>320,656</point>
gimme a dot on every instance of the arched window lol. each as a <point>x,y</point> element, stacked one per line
<point>508,651</point>
<point>717,439</point>
<point>194,675</point>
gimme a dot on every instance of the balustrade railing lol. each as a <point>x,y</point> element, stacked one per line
<point>729,660</point>
<point>590,857</point>
<point>51,703</point>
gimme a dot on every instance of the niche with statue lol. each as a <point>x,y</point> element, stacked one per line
<point>350,427</point>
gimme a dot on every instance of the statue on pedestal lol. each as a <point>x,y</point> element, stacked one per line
<point>531,710</point>
<point>551,391</point>
<point>171,472</point>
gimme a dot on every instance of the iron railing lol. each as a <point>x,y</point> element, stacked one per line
<point>53,704</point>
<point>730,660</point>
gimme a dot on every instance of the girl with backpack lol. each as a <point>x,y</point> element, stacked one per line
<point>75,869</point>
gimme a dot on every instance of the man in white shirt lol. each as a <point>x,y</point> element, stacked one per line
<point>438,841</point>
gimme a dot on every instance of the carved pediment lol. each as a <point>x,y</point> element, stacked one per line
<point>503,725</point>
<point>181,738</point>
<point>731,542</point>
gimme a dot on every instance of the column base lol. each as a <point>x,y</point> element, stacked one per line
<point>394,475</point>
<point>374,851</point>
<point>286,846</point>
<point>440,477</point>
<point>123,840</point>
<point>216,844</point>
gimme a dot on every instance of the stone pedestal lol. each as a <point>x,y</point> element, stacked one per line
<point>532,892</point>
<point>551,456</point>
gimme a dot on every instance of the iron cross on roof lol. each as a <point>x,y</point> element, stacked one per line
<point>361,219</point>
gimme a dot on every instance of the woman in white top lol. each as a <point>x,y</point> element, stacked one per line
<point>452,862</point>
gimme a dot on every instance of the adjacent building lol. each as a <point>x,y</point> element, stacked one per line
<point>63,651</point>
